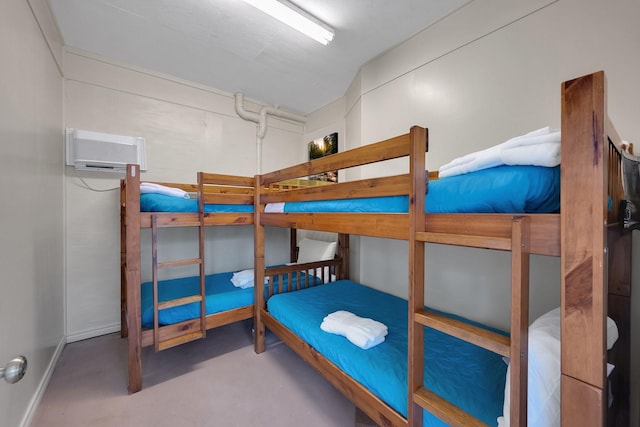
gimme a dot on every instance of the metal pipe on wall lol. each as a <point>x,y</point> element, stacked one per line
<point>261,120</point>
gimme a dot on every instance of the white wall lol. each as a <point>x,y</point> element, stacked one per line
<point>490,71</point>
<point>31,148</point>
<point>188,128</point>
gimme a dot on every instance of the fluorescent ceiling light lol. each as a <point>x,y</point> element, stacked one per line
<point>295,17</point>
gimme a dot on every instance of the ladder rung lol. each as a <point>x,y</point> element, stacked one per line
<point>192,336</point>
<point>179,262</point>
<point>486,242</point>
<point>481,337</point>
<point>179,301</point>
<point>446,411</point>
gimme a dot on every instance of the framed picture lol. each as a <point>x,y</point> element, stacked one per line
<point>323,147</point>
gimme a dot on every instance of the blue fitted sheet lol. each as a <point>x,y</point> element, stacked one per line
<point>153,202</point>
<point>221,294</point>
<point>467,375</point>
<point>503,189</point>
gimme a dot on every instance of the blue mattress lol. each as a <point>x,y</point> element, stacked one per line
<point>503,189</point>
<point>467,375</point>
<point>153,202</point>
<point>221,294</point>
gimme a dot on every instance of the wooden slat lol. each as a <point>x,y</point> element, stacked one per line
<point>221,179</point>
<point>392,226</point>
<point>373,187</point>
<point>498,243</point>
<point>179,262</point>
<point>191,219</point>
<point>179,301</point>
<point>228,218</point>
<point>163,219</point>
<point>545,228</point>
<point>384,150</point>
<point>213,321</point>
<point>226,190</point>
<point>163,345</point>
<point>447,412</point>
<point>228,199</point>
<point>481,337</point>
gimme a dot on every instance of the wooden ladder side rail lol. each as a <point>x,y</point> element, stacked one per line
<point>515,346</point>
<point>131,289</point>
<point>419,144</point>
<point>584,277</point>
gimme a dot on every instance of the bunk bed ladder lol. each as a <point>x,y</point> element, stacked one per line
<point>514,347</point>
<point>187,334</point>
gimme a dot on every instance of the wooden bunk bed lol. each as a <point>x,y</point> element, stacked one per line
<point>236,192</point>
<point>587,235</point>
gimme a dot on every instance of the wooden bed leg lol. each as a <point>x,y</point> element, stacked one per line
<point>258,266</point>
<point>133,280</point>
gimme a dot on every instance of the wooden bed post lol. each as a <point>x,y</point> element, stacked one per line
<point>133,280</point>
<point>584,263</point>
<point>519,341</point>
<point>258,242</point>
<point>343,253</point>
<point>124,332</point>
<point>415,364</point>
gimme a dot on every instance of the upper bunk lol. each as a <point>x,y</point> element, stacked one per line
<point>393,219</point>
<point>222,200</point>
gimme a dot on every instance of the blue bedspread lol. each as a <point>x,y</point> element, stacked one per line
<point>469,376</point>
<point>153,202</point>
<point>503,189</point>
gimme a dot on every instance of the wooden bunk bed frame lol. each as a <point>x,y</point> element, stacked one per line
<point>210,188</point>
<point>594,248</point>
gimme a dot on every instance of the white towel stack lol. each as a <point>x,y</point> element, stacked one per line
<point>245,279</point>
<point>540,147</point>
<point>149,187</point>
<point>361,331</point>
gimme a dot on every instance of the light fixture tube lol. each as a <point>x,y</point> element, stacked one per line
<point>296,18</point>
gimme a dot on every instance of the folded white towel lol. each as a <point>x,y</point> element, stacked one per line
<point>361,331</point>
<point>540,147</point>
<point>546,154</point>
<point>149,187</point>
<point>245,279</point>
<point>274,207</point>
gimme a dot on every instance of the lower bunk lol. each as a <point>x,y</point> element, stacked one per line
<point>228,298</point>
<point>375,378</point>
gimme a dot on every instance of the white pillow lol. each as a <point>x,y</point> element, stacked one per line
<point>310,250</point>
<point>543,403</point>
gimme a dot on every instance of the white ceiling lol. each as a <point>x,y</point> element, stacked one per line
<point>231,46</point>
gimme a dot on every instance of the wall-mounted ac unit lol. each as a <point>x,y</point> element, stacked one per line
<point>103,152</point>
